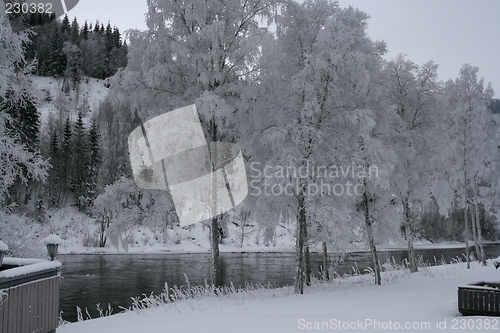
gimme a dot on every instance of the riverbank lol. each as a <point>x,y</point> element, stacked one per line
<point>81,235</point>
<point>231,248</point>
<point>426,300</point>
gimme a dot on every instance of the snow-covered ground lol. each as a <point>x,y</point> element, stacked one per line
<point>51,99</point>
<point>421,302</point>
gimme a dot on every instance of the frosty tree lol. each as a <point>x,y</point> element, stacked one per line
<point>470,157</point>
<point>17,161</point>
<point>412,91</point>
<point>201,52</point>
<point>375,204</point>
<point>320,68</point>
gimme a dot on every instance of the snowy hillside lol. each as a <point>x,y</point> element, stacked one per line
<point>52,99</point>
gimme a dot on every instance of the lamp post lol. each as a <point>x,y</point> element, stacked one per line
<point>3,249</point>
<point>53,241</point>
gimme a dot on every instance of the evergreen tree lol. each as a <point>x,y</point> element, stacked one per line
<point>65,26</point>
<point>57,58</point>
<point>41,47</point>
<point>96,28</point>
<point>94,56</point>
<point>74,63</point>
<point>494,106</point>
<point>25,122</point>
<point>94,163</point>
<point>55,186</point>
<point>80,162</point>
<point>66,159</point>
<point>100,51</point>
<point>85,31</point>
<point>117,39</point>
<point>109,38</point>
<point>75,32</point>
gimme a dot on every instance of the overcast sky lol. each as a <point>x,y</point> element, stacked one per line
<point>450,32</point>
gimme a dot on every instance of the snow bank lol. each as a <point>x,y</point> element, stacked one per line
<point>52,239</point>
<point>42,265</point>
<point>3,247</point>
<point>21,261</point>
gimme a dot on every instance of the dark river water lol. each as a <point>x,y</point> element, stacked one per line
<point>89,280</point>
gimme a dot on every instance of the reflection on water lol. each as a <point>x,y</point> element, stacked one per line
<point>113,279</point>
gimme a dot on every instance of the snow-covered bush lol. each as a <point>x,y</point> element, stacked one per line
<point>21,236</point>
<point>118,209</point>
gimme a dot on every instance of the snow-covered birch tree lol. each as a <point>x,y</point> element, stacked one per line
<point>321,67</point>
<point>411,93</point>
<point>196,51</point>
<point>467,106</point>
<point>376,162</point>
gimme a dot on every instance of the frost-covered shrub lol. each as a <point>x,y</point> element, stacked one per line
<point>21,235</point>
<point>117,209</point>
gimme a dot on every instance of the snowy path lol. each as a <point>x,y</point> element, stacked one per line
<point>422,299</point>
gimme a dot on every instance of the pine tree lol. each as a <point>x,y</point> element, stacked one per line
<point>100,55</point>
<point>41,47</point>
<point>66,160</point>
<point>75,32</point>
<point>55,187</point>
<point>94,163</point>
<point>58,61</point>
<point>25,122</point>
<point>96,28</point>
<point>109,38</point>
<point>85,31</point>
<point>74,63</point>
<point>65,26</point>
<point>117,39</point>
<point>80,161</point>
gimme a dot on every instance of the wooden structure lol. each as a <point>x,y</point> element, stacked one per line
<point>31,296</point>
<point>481,298</point>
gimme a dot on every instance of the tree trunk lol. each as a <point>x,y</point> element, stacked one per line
<point>409,237</point>
<point>214,227</point>
<point>324,269</point>
<point>299,245</point>
<point>466,196</point>
<point>307,255</point>
<point>242,233</point>
<point>479,232</point>
<point>466,219</point>
<point>474,231</point>
<point>371,241</point>
<point>307,258</point>
<point>214,253</point>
